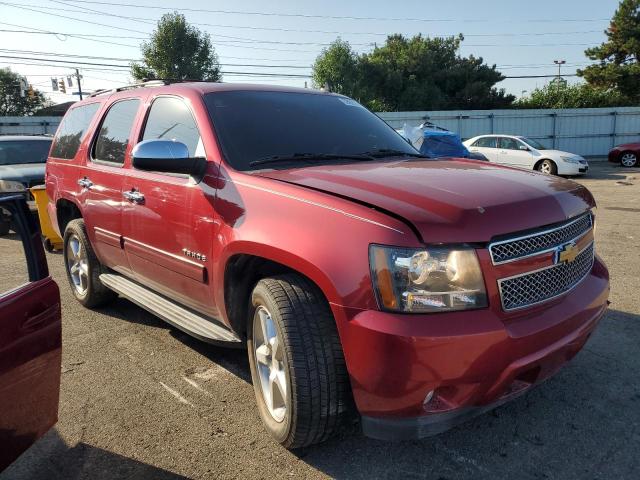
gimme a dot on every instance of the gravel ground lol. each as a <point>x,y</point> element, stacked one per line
<point>142,400</point>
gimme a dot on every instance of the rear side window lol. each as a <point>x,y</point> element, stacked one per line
<point>171,119</point>
<point>73,127</point>
<point>486,142</point>
<point>115,131</point>
<point>24,151</point>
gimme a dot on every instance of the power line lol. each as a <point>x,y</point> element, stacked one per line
<point>333,17</point>
<point>65,55</point>
<point>32,52</point>
<point>131,30</point>
<point>255,40</point>
<point>266,74</point>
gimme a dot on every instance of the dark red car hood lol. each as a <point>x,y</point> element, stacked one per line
<point>450,200</point>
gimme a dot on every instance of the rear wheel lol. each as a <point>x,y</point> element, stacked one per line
<point>83,268</point>
<point>297,365</point>
<point>629,159</point>
<point>548,167</point>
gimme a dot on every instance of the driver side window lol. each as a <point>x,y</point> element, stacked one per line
<point>509,143</point>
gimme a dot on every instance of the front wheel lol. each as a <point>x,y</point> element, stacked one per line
<point>629,159</point>
<point>297,365</point>
<point>548,167</point>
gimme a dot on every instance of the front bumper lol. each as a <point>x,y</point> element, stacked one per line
<point>472,361</point>
<point>566,168</point>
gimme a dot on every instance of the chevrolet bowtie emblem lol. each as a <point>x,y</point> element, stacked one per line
<point>567,253</point>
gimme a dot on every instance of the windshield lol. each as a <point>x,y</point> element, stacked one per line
<point>443,146</point>
<point>14,152</point>
<point>533,143</point>
<point>303,128</point>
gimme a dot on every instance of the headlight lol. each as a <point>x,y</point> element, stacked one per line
<point>427,280</point>
<point>571,159</point>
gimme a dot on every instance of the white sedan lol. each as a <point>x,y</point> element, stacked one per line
<point>524,152</point>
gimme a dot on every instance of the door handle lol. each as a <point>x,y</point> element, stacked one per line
<point>134,196</point>
<point>85,183</point>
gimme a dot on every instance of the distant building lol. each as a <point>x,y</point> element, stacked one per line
<point>57,110</point>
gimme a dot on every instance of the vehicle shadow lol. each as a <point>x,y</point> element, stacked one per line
<point>230,357</point>
<point>51,458</point>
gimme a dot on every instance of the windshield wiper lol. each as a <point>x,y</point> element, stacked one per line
<point>389,152</point>
<point>311,156</point>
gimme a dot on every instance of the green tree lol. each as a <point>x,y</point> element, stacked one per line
<point>337,68</point>
<point>416,73</point>
<point>177,51</point>
<point>618,57</point>
<point>561,95</point>
<point>12,103</point>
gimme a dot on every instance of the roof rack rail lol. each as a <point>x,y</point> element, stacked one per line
<point>145,83</point>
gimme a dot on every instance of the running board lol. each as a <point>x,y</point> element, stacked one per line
<point>186,320</point>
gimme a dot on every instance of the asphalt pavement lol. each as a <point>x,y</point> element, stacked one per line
<point>141,400</point>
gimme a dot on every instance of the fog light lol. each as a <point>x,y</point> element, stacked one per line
<point>428,398</point>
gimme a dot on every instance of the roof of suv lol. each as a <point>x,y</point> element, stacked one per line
<point>201,88</point>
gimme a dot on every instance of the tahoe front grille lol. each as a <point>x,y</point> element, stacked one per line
<point>541,285</point>
<point>534,243</point>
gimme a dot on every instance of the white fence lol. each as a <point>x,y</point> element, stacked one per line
<point>29,125</point>
<point>586,131</point>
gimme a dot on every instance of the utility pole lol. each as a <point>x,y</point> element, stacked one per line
<point>78,77</point>
<point>559,63</point>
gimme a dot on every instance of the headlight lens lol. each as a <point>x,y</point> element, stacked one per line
<point>427,280</point>
<point>571,159</point>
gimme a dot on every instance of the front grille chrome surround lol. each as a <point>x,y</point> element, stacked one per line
<point>542,241</point>
<point>530,288</point>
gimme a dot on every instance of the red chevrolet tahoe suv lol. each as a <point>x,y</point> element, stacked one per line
<point>358,272</point>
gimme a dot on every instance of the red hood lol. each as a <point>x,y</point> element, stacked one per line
<point>450,200</point>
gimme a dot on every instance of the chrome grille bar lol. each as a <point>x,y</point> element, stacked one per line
<point>535,243</point>
<point>541,285</point>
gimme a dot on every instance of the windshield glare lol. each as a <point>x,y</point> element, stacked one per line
<point>13,152</point>
<point>533,143</point>
<point>256,125</point>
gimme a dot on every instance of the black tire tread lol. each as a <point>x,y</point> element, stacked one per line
<point>320,385</point>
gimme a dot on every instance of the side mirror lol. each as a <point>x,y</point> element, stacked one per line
<point>524,147</point>
<point>166,156</point>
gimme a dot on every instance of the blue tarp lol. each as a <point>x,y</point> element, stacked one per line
<point>441,143</point>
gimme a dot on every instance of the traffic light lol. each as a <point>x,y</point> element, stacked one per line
<point>61,86</point>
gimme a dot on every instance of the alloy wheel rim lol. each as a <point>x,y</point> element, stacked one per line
<point>545,168</point>
<point>628,160</point>
<point>77,264</point>
<point>269,356</point>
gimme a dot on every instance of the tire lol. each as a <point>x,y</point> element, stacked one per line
<point>547,166</point>
<point>84,281</point>
<point>629,159</point>
<point>5,227</point>
<point>317,393</point>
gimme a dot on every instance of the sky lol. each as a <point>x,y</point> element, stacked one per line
<point>282,38</point>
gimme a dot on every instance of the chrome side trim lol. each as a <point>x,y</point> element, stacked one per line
<point>531,272</point>
<point>536,234</point>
